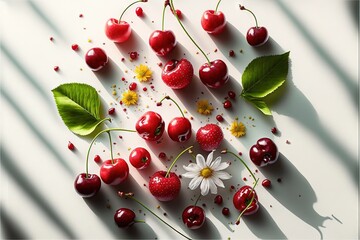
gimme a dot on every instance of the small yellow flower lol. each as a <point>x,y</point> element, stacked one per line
<point>203,107</point>
<point>237,129</point>
<point>143,73</point>
<point>129,98</point>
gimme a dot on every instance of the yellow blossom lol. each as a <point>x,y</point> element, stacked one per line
<point>143,73</point>
<point>129,98</point>
<point>237,129</point>
<point>203,107</point>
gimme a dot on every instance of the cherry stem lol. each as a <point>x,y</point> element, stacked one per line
<point>131,196</point>
<point>163,18</point>
<point>128,8</point>
<point>169,98</point>
<point>139,221</point>
<point>242,161</point>
<point>111,148</point>
<point>187,33</point>
<point>93,140</point>
<point>198,198</point>
<point>217,5</point>
<point>177,157</point>
<point>249,204</point>
<point>243,8</point>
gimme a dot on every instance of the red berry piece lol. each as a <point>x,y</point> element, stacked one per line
<point>87,185</point>
<point>97,159</point>
<point>111,111</point>
<point>231,53</point>
<point>139,12</point>
<point>225,211</point>
<point>178,13</point>
<point>218,199</point>
<point>227,104</point>
<point>133,55</point>
<point>193,217</point>
<point>124,217</point>
<point>56,68</point>
<point>219,118</point>
<point>266,183</point>
<point>71,146</point>
<point>231,94</point>
<point>75,47</point>
<point>274,130</point>
<point>162,155</point>
<point>133,86</point>
<point>51,39</point>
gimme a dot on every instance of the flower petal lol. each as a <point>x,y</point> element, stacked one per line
<point>221,166</point>
<point>200,161</point>
<point>222,175</point>
<point>190,174</point>
<point>205,187</point>
<point>218,182</point>
<point>192,167</point>
<point>195,182</point>
<point>213,188</point>
<point>215,163</point>
<point>209,158</point>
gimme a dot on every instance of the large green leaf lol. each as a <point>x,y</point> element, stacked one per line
<point>260,104</point>
<point>79,107</point>
<point>264,75</point>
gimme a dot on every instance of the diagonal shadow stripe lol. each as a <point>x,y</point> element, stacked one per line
<point>35,130</point>
<point>20,178</point>
<point>10,229</point>
<point>347,81</point>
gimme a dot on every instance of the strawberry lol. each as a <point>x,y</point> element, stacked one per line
<point>164,188</point>
<point>209,137</point>
<point>177,74</point>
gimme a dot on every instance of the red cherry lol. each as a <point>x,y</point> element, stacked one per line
<point>96,58</point>
<point>179,129</point>
<point>133,86</point>
<point>178,13</point>
<point>177,74</point>
<point>193,217</point>
<point>164,188</point>
<point>124,217</point>
<point>225,211</point>
<point>117,31</point>
<point>266,183</point>
<point>213,22</point>
<point>219,118</point>
<point>140,158</point>
<point>209,137</point>
<point>150,126</point>
<point>87,185</point>
<point>162,42</point>
<point>114,172</point>
<point>257,36</point>
<point>215,74</point>
<point>227,104</point>
<point>218,199</point>
<point>97,159</point>
<point>264,152</point>
<point>243,197</point>
<point>139,12</point>
<point>71,146</point>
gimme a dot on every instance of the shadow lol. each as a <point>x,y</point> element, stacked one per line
<point>10,229</point>
<point>263,225</point>
<point>7,163</point>
<point>299,200</point>
<point>36,132</point>
<point>353,6</point>
<point>207,231</point>
<point>134,44</point>
<point>345,79</point>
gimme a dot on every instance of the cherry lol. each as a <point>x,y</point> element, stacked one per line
<point>165,185</point>
<point>140,158</point>
<point>225,211</point>
<point>266,183</point>
<point>97,159</point>
<point>264,152</point>
<point>96,58</point>
<point>246,200</point>
<point>124,217</point>
<point>133,86</point>
<point>213,21</point>
<point>177,74</point>
<point>114,172</point>
<point>178,13</point>
<point>179,128</point>
<point>87,185</point>
<point>227,104</point>
<point>117,30</point>
<point>150,126</point>
<point>218,199</point>
<point>193,217</point>
<point>219,118</point>
<point>256,36</point>
<point>231,94</point>
<point>139,12</point>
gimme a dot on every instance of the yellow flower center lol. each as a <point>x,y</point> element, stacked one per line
<point>206,172</point>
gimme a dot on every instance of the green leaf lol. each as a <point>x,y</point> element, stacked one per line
<point>264,75</point>
<point>79,107</point>
<point>260,104</point>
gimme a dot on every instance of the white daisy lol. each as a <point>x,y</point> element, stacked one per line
<point>207,175</point>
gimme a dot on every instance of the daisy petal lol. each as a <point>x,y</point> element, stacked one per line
<point>205,187</point>
<point>213,188</point>
<point>218,182</point>
<point>190,174</point>
<point>215,163</point>
<point>195,182</point>
<point>221,166</point>
<point>192,167</point>
<point>209,158</point>
<point>200,161</point>
<point>222,175</point>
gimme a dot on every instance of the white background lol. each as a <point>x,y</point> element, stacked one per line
<point>316,111</point>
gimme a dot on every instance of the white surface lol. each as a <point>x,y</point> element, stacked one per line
<point>317,112</point>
